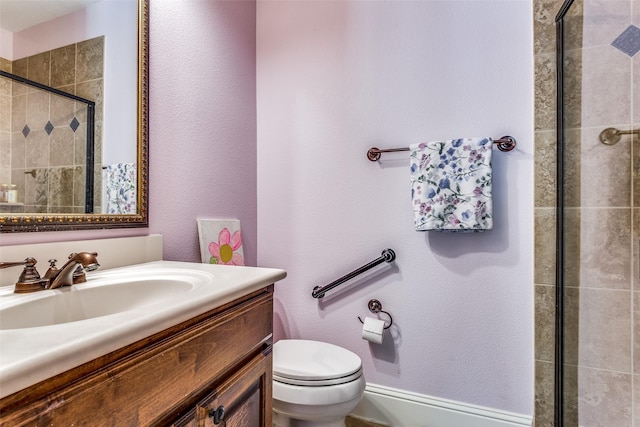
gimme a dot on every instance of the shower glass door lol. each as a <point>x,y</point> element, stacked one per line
<point>598,286</point>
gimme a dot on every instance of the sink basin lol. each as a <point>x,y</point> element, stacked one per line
<point>72,304</point>
<point>49,332</point>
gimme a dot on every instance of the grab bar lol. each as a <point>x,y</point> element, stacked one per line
<point>506,143</point>
<point>388,255</point>
<point>611,136</point>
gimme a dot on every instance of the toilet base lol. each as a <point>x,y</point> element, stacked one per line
<point>286,414</point>
<point>282,420</point>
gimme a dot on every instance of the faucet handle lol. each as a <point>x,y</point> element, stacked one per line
<point>29,274</point>
<point>29,280</point>
<point>16,263</point>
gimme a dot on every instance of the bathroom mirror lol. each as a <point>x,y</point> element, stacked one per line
<point>121,118</point>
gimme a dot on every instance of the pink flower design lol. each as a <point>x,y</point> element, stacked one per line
<point>223,252</point>
<point>453,220</point>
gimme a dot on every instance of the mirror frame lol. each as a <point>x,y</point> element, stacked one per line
<point>61,222</point>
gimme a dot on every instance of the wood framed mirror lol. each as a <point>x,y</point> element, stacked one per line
<point>44,150</point>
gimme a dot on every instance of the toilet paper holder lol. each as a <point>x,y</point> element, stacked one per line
<point>375,306</point>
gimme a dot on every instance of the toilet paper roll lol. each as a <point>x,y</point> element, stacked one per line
<point>373,330</point>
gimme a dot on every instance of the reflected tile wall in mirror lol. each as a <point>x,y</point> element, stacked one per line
<point>44,143</point>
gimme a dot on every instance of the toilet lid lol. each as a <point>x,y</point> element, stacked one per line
<point>313,362</point>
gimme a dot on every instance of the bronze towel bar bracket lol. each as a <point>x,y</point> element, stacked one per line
<point>506,143</point>
<point>611,136</point>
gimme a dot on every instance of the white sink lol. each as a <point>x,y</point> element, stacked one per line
<point>48,332</point>
<point>82,302</point>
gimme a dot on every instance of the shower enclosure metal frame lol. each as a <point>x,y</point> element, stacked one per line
<point>559,305</point>
<point>90,147</point>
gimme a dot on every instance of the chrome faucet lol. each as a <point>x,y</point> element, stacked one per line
<point>74,269</point>
<point>71,272</point>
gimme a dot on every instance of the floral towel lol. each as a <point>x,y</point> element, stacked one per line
<point>120,188</point>
<point>451,185</point>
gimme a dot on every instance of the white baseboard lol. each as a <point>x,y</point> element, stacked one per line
<point>399,408</point>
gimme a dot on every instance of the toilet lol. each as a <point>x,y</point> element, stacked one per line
<point>315,384</point>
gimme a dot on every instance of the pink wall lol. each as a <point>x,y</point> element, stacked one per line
<point>202,126</point>
<point>203,120</point>
<point>335,78</point>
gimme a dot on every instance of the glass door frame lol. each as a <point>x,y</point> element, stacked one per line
<point>560,134</point>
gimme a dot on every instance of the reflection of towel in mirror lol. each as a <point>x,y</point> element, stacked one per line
<point>451,185</point>
<point>120,196</point>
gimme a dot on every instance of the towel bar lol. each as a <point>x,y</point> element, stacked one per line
<point>388,255</point>
<point>506,143</point>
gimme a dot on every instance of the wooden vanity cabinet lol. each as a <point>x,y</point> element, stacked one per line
<point>237,401</point>
<point>215,368</point>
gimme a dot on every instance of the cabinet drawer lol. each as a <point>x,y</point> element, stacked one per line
<point>241,400</point>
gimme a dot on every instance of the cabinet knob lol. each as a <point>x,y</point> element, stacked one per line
<point>217,414</point>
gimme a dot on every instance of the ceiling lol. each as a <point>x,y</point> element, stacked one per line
<point>16,15</point>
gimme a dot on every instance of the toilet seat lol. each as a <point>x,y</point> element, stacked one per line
<point>314,364</point>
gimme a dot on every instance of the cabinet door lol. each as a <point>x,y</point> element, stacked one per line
<point>242,400</point>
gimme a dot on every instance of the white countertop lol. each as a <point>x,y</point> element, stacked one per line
<point>31,354</point>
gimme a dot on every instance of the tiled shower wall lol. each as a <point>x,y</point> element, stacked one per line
<point>602,196</point>
<point>5,124</point>
<point>44,151</point>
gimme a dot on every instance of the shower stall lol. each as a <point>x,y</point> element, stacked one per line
<point>597,351</point>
